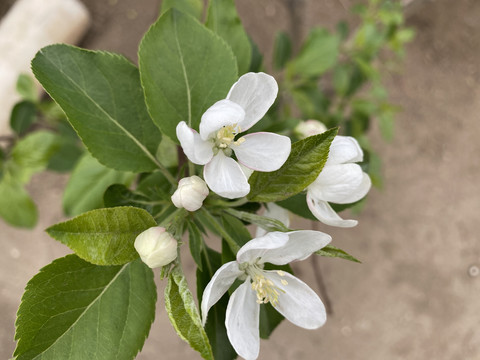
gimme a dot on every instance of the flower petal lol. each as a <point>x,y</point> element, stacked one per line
<point>341,184</point>
<point>225,177</point>
<point>298,302</point>
<point>263,151</point>
<point>276,212</point>
<point>300,245</point>
<point>344,149</point>
<point>222,113</point>
<point>198,151</point>
<point>324,213</point>
<point>218,285</point>
<point>258,247</point>
<point>255,93</point>
<point>242,321</point>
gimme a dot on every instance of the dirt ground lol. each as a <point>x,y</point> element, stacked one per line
<point>417,293</point>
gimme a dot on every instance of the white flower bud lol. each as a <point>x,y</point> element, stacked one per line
<point>156,247</point>
<point>190,193</point>
<point>309,128</point>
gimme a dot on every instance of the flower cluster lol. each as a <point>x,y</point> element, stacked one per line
<point>229,156</point>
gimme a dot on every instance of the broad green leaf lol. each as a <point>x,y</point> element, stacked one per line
<point>223,20</point>
<point>183,313</point>
<point>233,226</point>
<point>282,50</point>
<point>215,326</point>
<point>32,154</point>
<point>264,222</point>
<point>120,195</point>
<point>332,251</point>
<point>66,157</point>
<point>23,115</point>
<point>306,160</point>
<point>185,68</point>
<point>104,236</point>
<point>26,88</point>
<point>212,223</point>
<point>88,182</point>
<point>16,206</point>
<point>195,243</point>
<point>101,94</point>
<point>74,310</point>
<point>317,55</point>
<point>190,7</point>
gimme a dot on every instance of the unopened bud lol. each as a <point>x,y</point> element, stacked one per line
<point>156,247</point>
<point>190,193</point>
<point>309,128</point>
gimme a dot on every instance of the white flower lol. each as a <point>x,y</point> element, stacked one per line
<point>290,296</point>
<point>156,247</point>
<point>276,212</point>
<point>309,128</point>
<point>190,193</point>
<point>341,181</point>
<point>246,103</point>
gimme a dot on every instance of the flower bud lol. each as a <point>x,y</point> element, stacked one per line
<point>190,193</point>
<point>309,128</point>
<point>156,247</point>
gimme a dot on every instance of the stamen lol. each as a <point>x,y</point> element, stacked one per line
<point>267,291</point>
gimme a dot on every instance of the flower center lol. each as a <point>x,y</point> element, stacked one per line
<point>225,138</point>
<point>267,291</point>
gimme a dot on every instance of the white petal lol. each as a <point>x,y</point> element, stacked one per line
<point>257,247</point>
<point>300,245</point>
<point>344,149</point>
<point>198,151</point>
<point>218,285</point>
<point>341,184</point>
<point>222,113</point>
<point>242,321</point>
<point>298,303</point>
<point>276,212</point>
<point>255,93</point>
<point>263,151</point>
<point>324,213</point>
<point>224,176</point>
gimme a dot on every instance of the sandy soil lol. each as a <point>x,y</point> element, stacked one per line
<point>416,295</point>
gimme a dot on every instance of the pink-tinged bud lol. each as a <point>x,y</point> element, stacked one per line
<point>190,193</point>
<point>309,128</point>
<point>156,247</point>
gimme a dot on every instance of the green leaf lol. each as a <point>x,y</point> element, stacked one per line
<point>282,50</point>
<point>32,154</point>
<point>26,88</point>
<point>306,160</point>
<point>223,20</point>
<point>167,152</point>
<point>317,55</point>
<point>264,222</point>
<point>75,310</point>
<point>87,184</point>
<point>104,236</point>
<point>101,94</point>
<point>215,326</point>
<point>210,222</point>
<point>23,115</point>
<point>120,195</point>
<point>185,68</point>
<point>190,7</point>
<point>233,226</point>
<point>66,157</point>
<point>256,63</point>
<point>183,313</point>
<point>332,251</point>
<point>195,243</point>
<point>16,206</point>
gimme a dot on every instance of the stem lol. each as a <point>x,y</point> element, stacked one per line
<point>234,203</point>
<point>191,169</point>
